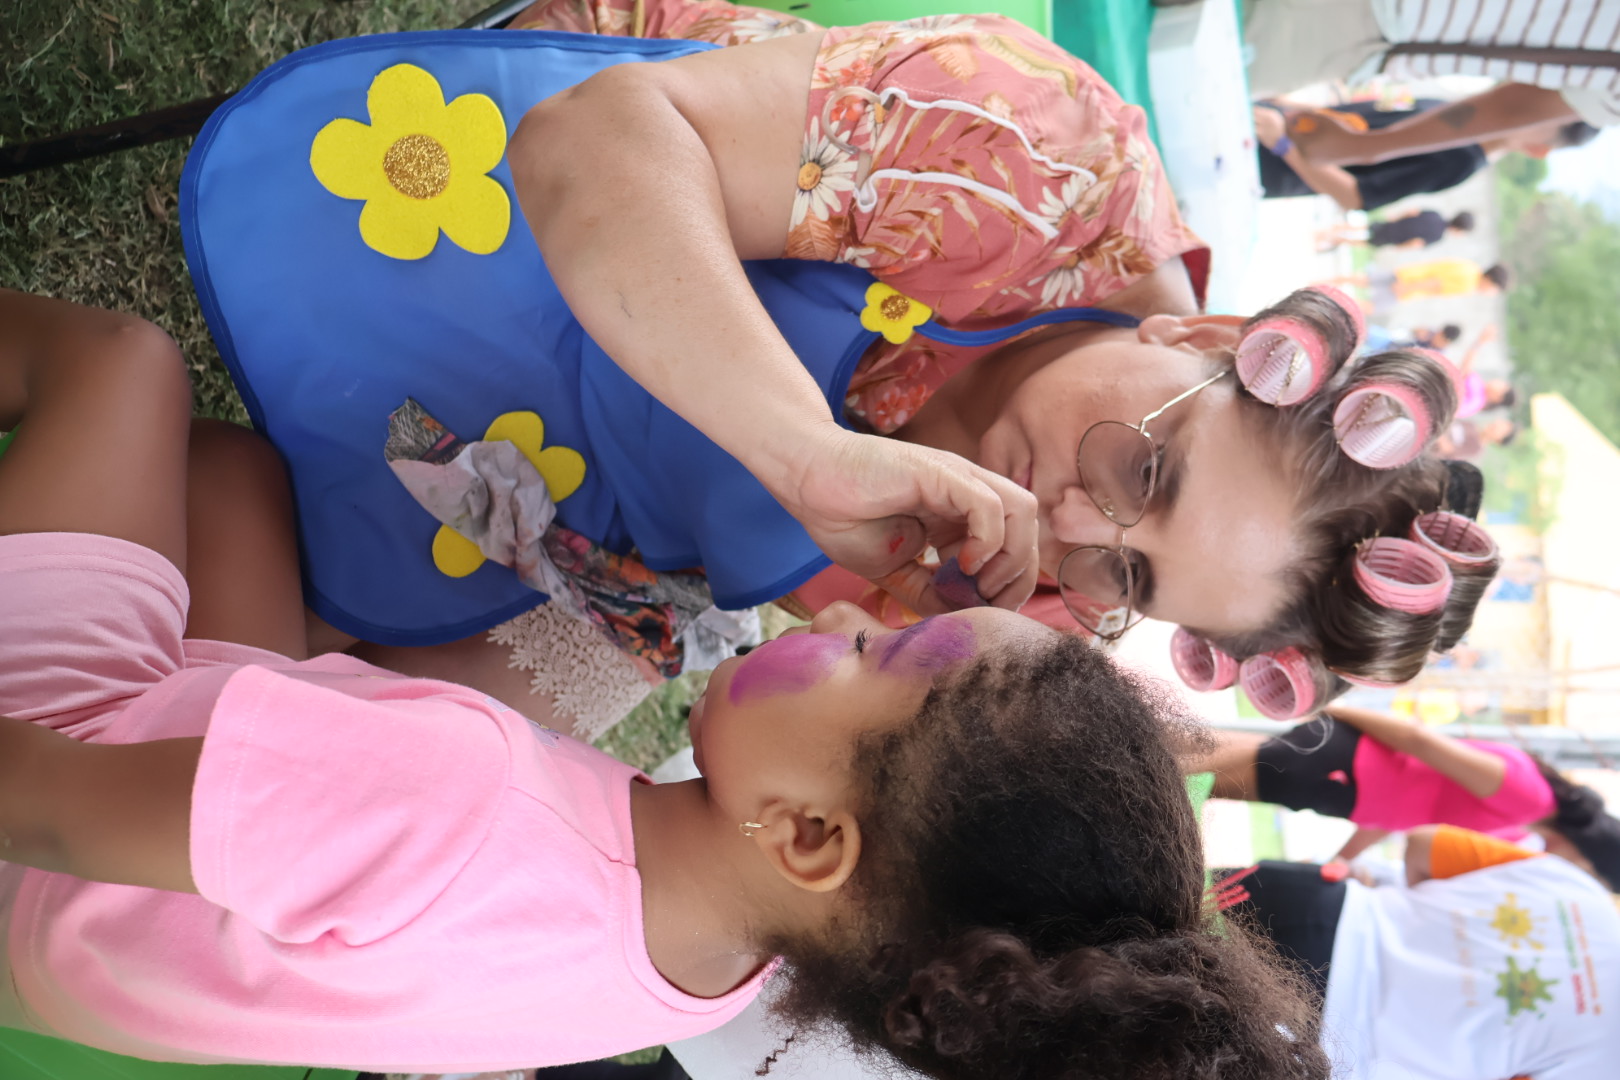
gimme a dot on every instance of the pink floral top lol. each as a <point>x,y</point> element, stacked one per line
<point>963,159</point>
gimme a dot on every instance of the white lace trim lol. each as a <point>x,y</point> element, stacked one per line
<point>587,678</point>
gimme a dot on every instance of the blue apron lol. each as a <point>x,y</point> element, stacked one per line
<point>326,333</point>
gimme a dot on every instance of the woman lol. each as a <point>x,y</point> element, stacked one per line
<point>983,176</point>
<point>1388,774</point>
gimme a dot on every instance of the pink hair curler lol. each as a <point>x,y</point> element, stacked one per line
<point>1200,664</point>
<point>1402,575</point>
<point>1282,361</point>
<point>1382,425</point>
<point>1350,308</point>
<point>1281,684</point>
<point>1456,539</point>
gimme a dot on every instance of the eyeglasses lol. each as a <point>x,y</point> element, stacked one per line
<point>1119,469</point>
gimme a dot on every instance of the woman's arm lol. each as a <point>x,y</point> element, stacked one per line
<point>1477,771</point>
<point>1330,180</point>
<point>644,231</point>
<point>1487,335</point>
<point>1445,851</point>
<point>1498,112</point>
<point>1360,840</point>
<point>119,814</point>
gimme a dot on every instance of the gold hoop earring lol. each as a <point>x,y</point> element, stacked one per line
<point>747,828</point>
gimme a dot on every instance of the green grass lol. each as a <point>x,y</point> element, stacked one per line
<point>105,231</point>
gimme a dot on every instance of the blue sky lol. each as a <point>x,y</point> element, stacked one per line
<point>1590,172</point>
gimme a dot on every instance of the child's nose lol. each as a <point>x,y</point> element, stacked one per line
<point>840,617</point>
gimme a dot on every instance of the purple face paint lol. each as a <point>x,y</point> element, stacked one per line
<point>787,665</point>
<point>931,645</point>
<point>956,588</point>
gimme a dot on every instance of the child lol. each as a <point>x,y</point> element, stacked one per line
<point>1387,775</point>
<point>967,840</point>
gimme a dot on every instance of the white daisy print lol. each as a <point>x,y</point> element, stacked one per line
<point>931,26</point>
<point>825,172</point>
<point>858,256</point>
<point>1059,204</point>
<point>1063,282</point>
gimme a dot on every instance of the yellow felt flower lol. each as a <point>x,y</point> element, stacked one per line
<point>420,166</point>
<point>562,468</point>
<point>892,313</point>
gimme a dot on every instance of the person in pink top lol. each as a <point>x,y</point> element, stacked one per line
<point>966,843</point>
<point>1475,393</point>
<point>1388,774</point>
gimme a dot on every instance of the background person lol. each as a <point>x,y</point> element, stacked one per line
<point>1285,172</point>
<point>1418,229</point>
<point>1389,286</point>
<point>1489,965</point>
<point>1477,393</point>
<point>1298,42</point>
<point>1389,774</point>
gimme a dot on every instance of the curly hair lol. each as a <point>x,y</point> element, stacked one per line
<point>1029,900</point>
<point>1342,503</point>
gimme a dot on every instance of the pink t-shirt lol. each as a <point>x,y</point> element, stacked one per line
<point>1396,791</point>
<point>395,874</point>
<point>1471,396</point>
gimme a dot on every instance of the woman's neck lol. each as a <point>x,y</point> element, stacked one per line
<point>699,881</point>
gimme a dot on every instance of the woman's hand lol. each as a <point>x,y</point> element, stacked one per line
<point>873,504</point>
<point>1269,125</point>
<point>1323,137</point>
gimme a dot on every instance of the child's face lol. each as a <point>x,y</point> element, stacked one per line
<point>780,721</point>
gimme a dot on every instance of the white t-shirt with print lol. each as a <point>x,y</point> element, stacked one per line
<point>1513,970</point>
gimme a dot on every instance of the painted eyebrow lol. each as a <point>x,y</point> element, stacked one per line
<point>897,642</point>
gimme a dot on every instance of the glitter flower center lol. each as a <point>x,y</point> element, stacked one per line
<point>809,176</point>
<point>418,166</point>
<point>895,307</point>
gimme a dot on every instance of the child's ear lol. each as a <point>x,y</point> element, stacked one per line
<point>813,848</point>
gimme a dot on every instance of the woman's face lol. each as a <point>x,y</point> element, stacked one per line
<point>1216,535</point>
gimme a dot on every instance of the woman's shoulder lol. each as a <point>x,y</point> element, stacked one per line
<point>998,176</point>
<point>961,56</point>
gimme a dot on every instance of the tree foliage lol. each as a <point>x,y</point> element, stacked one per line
<point>1564,314</point>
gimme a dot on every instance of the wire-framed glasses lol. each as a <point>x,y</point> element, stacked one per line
<point>1119,469</point>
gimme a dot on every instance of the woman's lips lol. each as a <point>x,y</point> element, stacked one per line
<point>1024,475</point>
